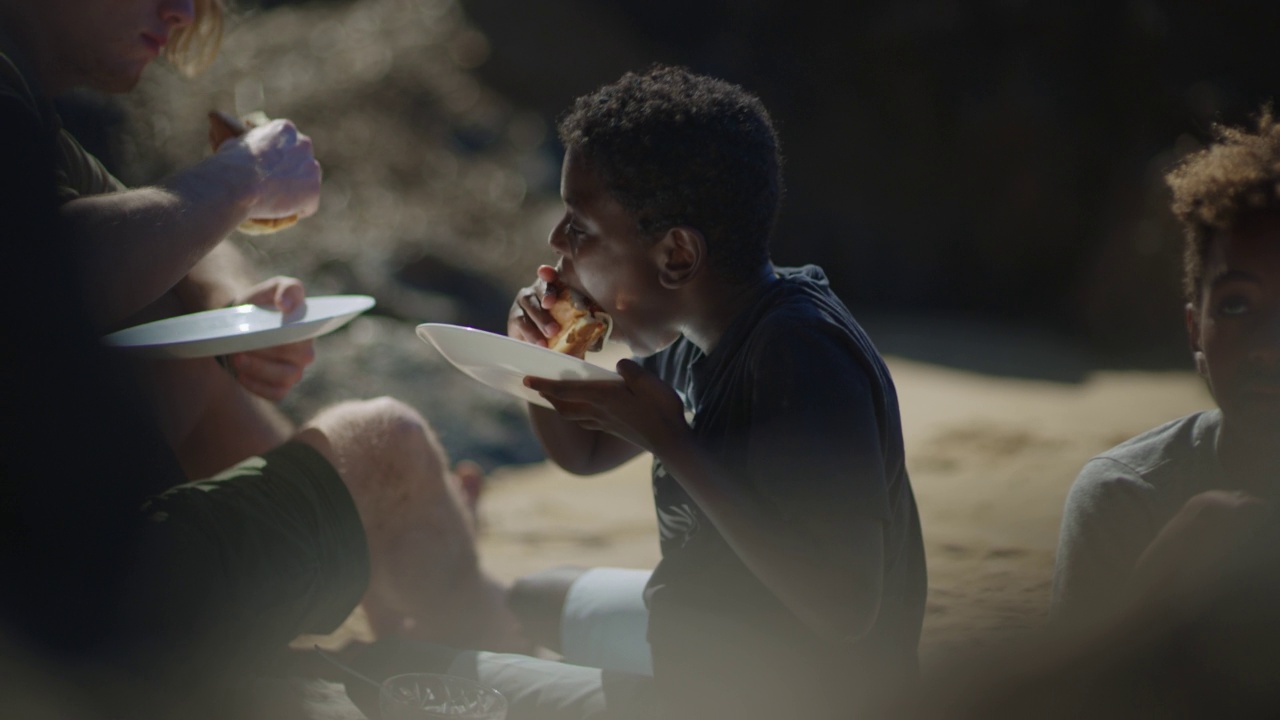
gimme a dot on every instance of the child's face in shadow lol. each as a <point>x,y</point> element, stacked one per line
<point>1235,328</point>
<point>604,255</point>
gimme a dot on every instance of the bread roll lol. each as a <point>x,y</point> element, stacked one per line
<point>223,127</point>
<point>584,325</point>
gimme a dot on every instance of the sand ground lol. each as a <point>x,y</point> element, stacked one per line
<point>991,460</point>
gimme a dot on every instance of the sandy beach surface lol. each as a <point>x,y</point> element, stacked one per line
<point>991,459</point>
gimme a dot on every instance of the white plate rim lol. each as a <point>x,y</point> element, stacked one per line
<point>424,332</point>
<point>323,314</point>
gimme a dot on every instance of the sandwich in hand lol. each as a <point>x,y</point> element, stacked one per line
<point>223,127</point>
<point>584,325</point>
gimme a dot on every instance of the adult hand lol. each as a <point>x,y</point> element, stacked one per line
<point>272,372</point>
<point>641,409</point>
<point>530,319</point>
<point>287,171</point>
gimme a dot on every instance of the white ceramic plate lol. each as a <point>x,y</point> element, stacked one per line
<point>238,329</point>
<point>502,362</point>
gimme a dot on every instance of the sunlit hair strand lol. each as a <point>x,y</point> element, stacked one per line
<point>191,49</point>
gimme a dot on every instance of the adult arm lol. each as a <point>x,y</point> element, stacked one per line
<point>217,280</point>
<point>138,244</point>
<point>809,521</point>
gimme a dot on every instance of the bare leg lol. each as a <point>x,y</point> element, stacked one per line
<point>538,602</point>
<point>426,582</point>
<point>471,480</point>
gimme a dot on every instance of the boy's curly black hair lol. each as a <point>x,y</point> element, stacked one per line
<point>676,148</point>
<point>1215,188</point>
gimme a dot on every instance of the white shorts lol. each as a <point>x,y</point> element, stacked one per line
<point>605,623</point>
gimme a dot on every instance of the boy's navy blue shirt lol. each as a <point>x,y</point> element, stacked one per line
<point>796,402</point>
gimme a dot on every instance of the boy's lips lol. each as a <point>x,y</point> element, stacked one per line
<point>559,267</point>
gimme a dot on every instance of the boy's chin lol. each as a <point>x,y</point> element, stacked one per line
<point>641,347</point>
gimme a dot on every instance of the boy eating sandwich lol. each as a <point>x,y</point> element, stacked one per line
<point>792,580</point>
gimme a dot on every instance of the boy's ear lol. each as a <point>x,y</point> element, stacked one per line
<point>681,253</point>
<point>1193,337</point>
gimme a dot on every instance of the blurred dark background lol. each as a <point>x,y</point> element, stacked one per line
<point>987,159</point>
<point>982,180</point>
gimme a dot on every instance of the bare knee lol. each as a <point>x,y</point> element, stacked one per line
<point>373,415</point>
<point>405,425</point>
<point>383,449</point>
<point>390,408</point>
<point>381,428</point>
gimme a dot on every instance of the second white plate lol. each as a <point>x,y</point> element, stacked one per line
<point>237,329</point>
<point>502,362</point>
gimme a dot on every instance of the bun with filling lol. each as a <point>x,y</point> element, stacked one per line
<point>223,127</point>
<point>584,325</point>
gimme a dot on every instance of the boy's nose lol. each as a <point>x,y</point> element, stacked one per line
<point>557,239</point>
<point>178,13</point>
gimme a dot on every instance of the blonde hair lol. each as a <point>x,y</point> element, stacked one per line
<point>1215,188</point>
<point>192,48</point>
